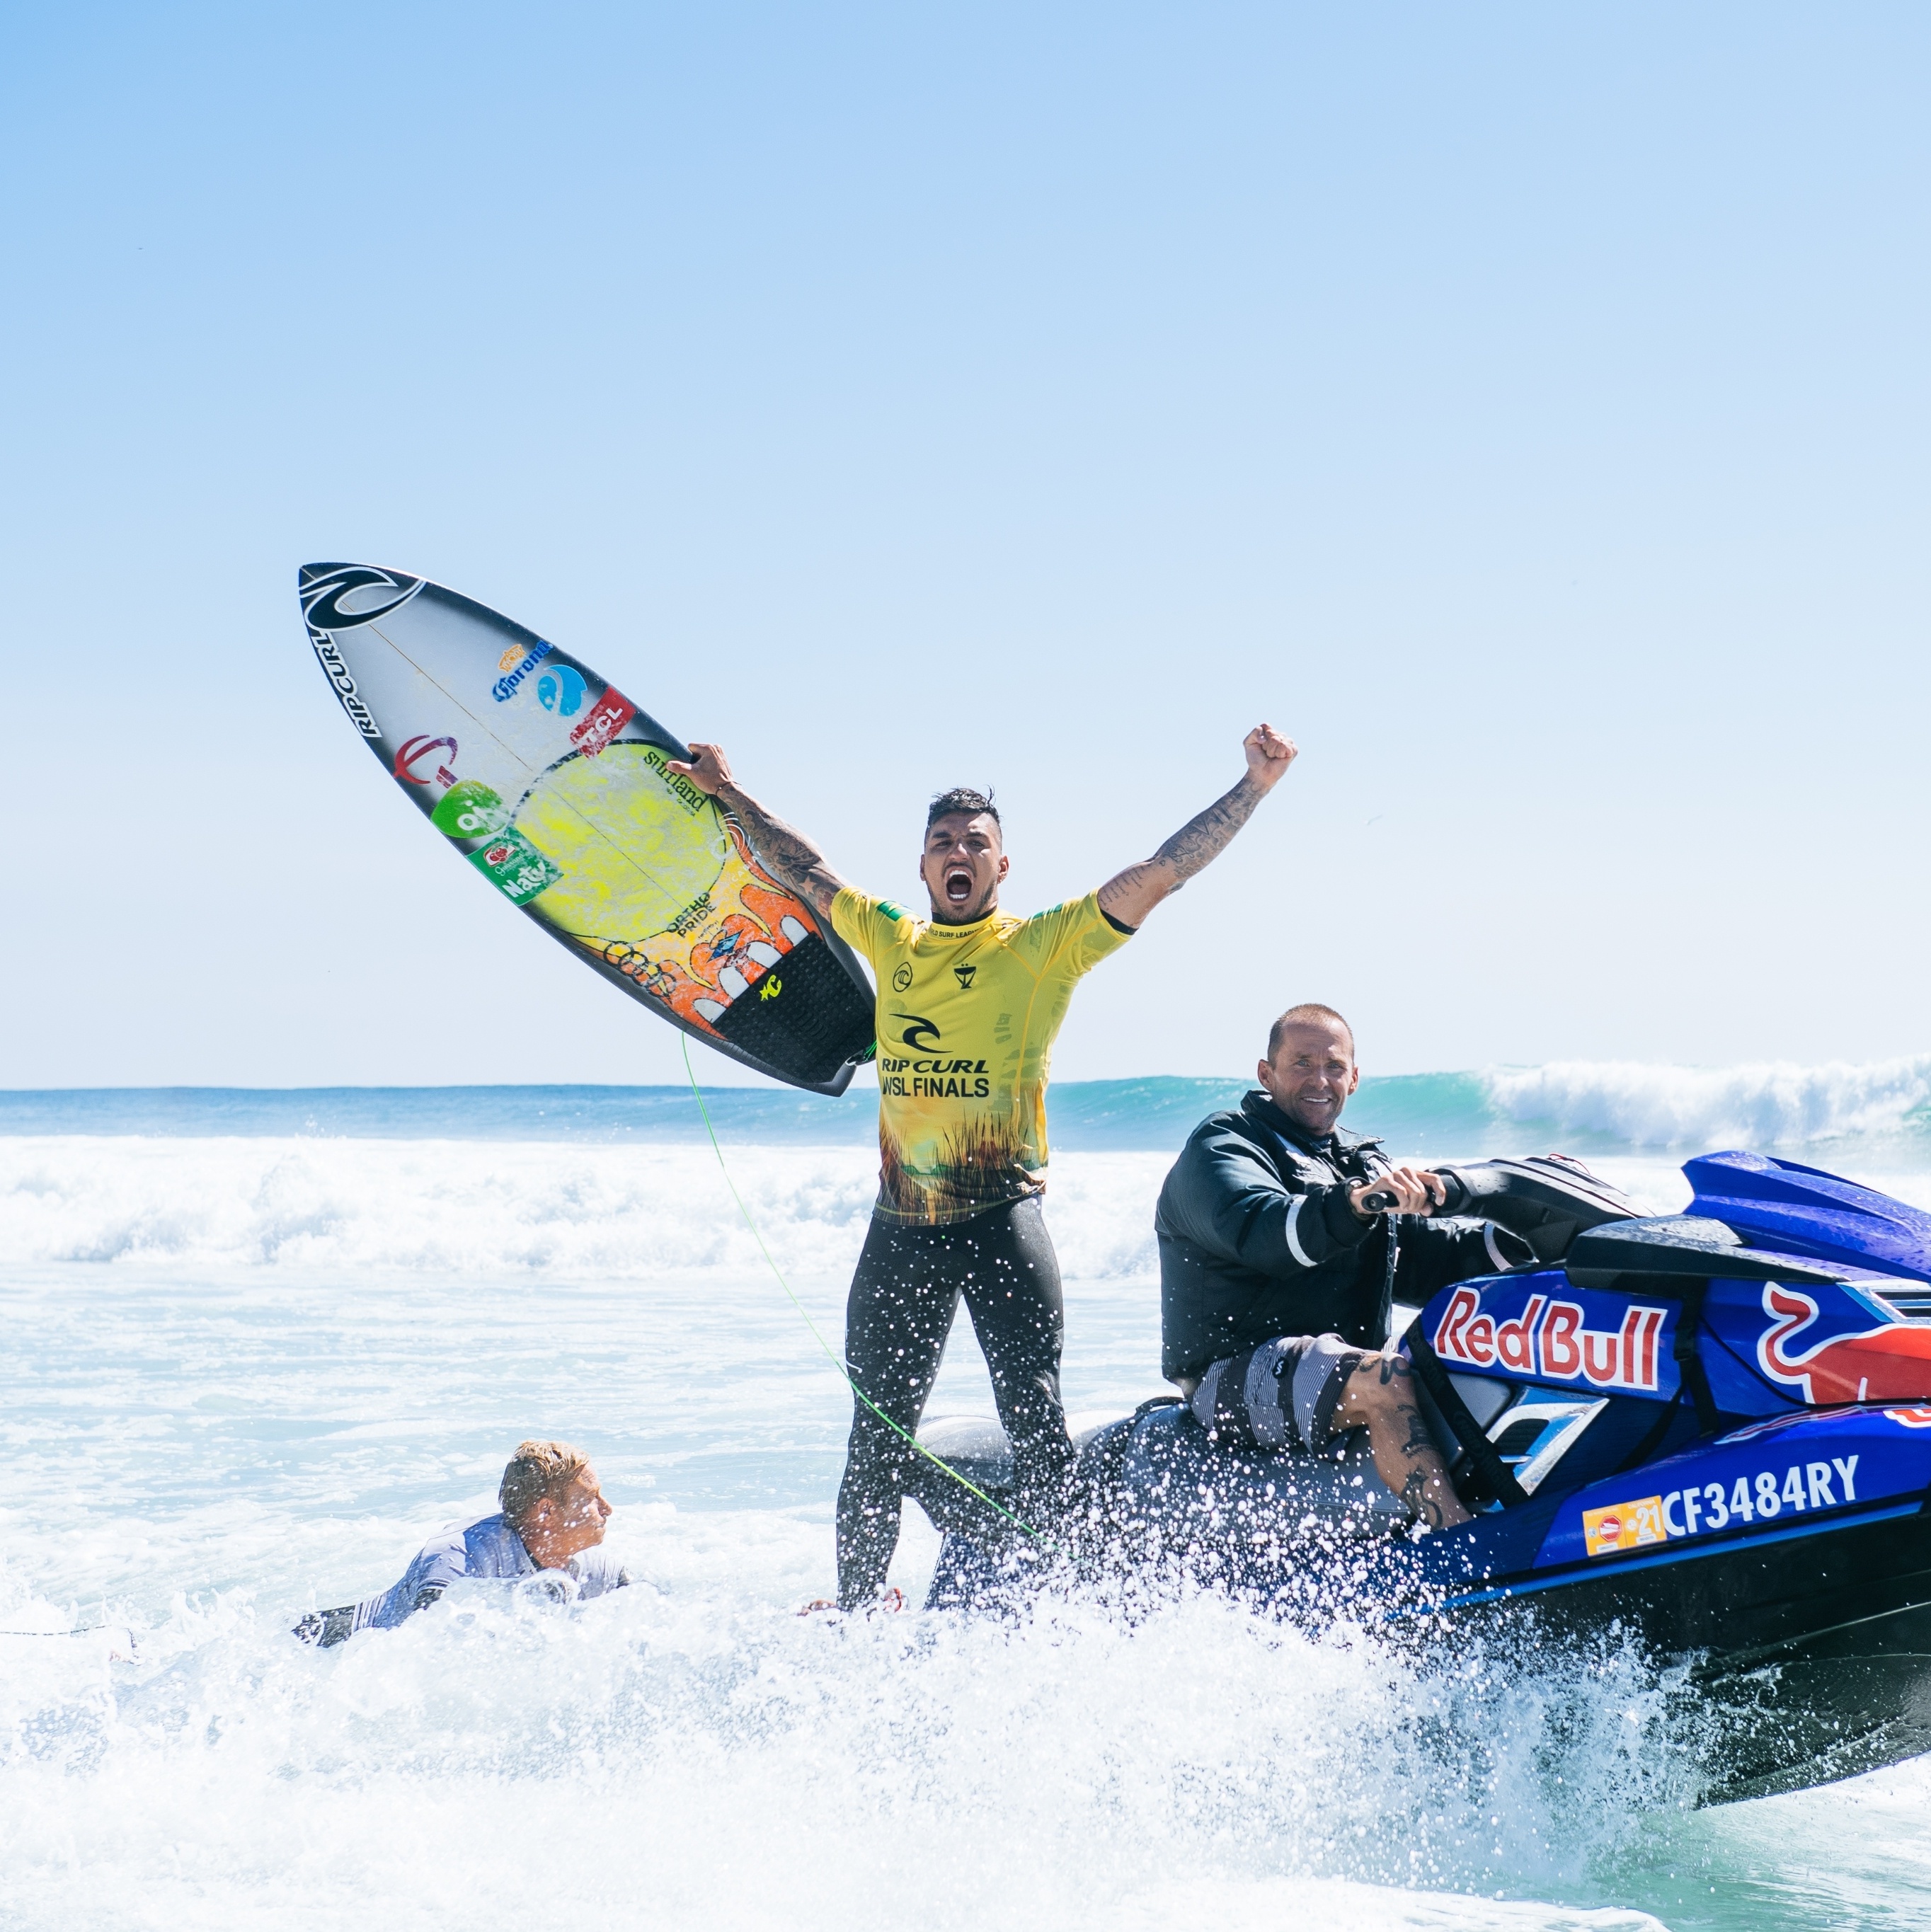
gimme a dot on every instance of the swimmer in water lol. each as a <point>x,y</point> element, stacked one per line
<point>552,1519</point>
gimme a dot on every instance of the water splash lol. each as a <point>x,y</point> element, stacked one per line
<point>701,1752</point>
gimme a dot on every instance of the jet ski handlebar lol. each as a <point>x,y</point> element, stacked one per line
<point>1380,1200</point>
<point>1548,1199</point>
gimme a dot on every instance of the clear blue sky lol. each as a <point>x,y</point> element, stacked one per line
<point>1525,407</point>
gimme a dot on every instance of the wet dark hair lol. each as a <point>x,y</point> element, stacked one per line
<point>962,798</point>
<point>1309,1013</point>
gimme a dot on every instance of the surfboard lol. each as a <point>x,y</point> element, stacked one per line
<point>555,787</point>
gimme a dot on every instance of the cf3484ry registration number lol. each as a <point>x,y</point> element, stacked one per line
<point>1699,1508</point>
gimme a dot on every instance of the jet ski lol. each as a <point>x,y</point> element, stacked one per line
<point>1709,1430</point>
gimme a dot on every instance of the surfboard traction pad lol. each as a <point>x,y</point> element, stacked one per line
<point>564,802</point>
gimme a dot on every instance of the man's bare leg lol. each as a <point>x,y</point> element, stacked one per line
<point>1379,1397</point>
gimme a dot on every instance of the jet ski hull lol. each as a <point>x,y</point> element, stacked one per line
<point>1717,1448</point>
<point>1809,1650</point>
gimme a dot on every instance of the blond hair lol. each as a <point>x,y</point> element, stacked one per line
<point>537,1470</point>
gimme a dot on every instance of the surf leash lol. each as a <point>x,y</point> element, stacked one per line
<point>84,1629</point>
<point>844,1374</point>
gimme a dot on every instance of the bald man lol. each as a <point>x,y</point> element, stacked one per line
<point>1276,1277</point>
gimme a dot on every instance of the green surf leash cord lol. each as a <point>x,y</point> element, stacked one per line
<point>844,1374</point>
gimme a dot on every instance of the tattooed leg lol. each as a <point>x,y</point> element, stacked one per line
<point>1380,1397</point>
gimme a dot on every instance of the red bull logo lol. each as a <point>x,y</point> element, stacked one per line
<point>1550,1340</point>
<point>1890,1362</point>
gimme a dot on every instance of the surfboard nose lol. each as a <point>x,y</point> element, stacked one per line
<point>338,596</point>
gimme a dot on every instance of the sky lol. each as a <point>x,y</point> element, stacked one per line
<point>1524,408</point>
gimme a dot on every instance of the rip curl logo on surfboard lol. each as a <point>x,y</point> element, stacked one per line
<point>345,595</point>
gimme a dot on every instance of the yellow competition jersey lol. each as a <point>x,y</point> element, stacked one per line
<point>966,1019</point>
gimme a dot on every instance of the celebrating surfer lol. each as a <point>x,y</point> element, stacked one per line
<point>969,1000</point>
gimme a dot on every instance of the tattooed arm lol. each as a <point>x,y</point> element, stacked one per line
<point>1130,895</point>
<point>792,857</point>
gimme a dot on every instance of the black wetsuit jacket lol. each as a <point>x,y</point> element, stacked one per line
<point>1257,1240</point>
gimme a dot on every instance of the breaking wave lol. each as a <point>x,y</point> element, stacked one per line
<point>618,1183</point>
<point>1769,1104</point>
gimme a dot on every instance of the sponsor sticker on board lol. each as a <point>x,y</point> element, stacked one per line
<point>1624,1526</point>
<point>468,810</point>
<point>608,717</point>
<point>515,868</point>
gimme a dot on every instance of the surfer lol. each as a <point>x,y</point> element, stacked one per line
<point>1275,1276</point>
<point>969,1000</point>
<point>552,1517</point>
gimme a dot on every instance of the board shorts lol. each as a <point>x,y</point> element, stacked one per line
<point>1282,1395</point>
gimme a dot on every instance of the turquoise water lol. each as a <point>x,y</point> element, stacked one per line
<point>1601,1108</point>
<point>260,1344</point>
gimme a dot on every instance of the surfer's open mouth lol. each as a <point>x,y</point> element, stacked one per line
<point>958,885</point>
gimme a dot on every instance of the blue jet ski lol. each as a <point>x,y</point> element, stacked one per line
<point>1710,1429</point>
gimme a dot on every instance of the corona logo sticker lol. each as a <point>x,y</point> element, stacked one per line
<point>1624,1526</point>
<point>517,665</point>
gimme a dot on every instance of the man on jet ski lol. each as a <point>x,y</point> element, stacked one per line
<point>1276,1274</point>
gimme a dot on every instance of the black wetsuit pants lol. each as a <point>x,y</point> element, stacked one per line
<point>904,1296</point>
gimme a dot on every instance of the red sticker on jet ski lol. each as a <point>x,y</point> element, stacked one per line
<point>1624,1526</point>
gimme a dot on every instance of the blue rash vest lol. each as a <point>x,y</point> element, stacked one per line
<point>489,1548</point>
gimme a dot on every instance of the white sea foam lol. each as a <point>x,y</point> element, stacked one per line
<point>245,1378</point>
<point>1772,1103</point>
<point>696,1755</point>
<point>553,1207</point>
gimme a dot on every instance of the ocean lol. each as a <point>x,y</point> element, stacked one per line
<point>260,1344</point>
